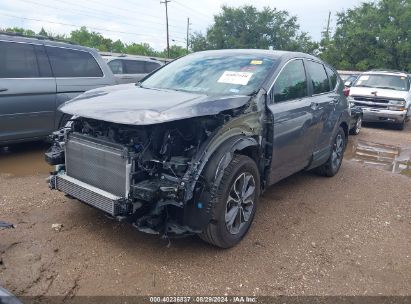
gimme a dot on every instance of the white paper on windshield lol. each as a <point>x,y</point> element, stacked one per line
<point>364,77</point>
<point>241,78</point>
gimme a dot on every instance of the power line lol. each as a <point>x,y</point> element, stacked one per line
<point>129,9</point>
<point>79,12</point>
<point>200,14</point>
<point>73,25</point>
<point>100,17</point>
<point>105,12</point>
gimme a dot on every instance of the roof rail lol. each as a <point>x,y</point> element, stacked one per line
<point>40,37</point>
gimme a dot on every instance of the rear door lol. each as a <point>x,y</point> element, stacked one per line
<point>76,71</point>
<point>295,122</point>
<point>27,92</point>
<point>326,100</point>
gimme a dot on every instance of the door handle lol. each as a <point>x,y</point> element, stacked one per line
<point>3,89</point>
<point>314,105</point>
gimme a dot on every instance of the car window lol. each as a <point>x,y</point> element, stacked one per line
<point>383,81</point>
<point>291,83</point>
<point>116,66</point>
<point>332,76</point>
<point>134,67</point>
<point>73,63</point>
<point>18,60</point>
<point>43,61</point>
<point>216,74</point>
<point>318,77</point>
<point>151,66</point>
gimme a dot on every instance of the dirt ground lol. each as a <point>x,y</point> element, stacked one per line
<point>347,235</point>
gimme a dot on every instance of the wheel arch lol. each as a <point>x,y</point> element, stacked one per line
<point>345,127</point>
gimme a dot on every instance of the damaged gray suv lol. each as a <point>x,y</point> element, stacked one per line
<point>190,148</point>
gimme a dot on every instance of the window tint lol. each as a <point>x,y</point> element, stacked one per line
<point>332,76</point>
<point>18,60</point>
<point>72,63</point>
<point>318,77</point>
<point>134,67</point>
<point>291,83</point>
<point>151,66</point>
<point>116,66</point>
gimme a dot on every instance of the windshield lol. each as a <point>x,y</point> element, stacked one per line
<point>380,81</point>
<point>212,74</point>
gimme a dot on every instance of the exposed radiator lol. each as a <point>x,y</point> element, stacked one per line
<point>98,164</point>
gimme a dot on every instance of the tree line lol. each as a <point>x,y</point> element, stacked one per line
<point>375,34</point>
<point>96,40</point>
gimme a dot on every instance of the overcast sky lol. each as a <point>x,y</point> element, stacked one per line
<point>144,20</point>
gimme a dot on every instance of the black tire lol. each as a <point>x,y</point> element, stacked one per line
<point>64,120</point>
<point>218,232</point>
<point>333,164</point>
<point>400,126</point>
<point>357,128</point>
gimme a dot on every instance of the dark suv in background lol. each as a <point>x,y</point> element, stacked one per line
<point>36,77</point>
<point>190,148</point>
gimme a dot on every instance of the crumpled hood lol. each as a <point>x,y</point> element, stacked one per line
<point>130,104</point>
<point>367,92</point>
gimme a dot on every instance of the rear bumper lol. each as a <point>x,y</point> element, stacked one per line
<point>90,195</point>
<point>380,115</point>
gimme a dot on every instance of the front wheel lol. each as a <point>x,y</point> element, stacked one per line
<point>234,203</point>
<point>401,125</point>
<point>333,164</point>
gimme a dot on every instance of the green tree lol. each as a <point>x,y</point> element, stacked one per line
<point>91,39</point>
<point>118,46</point>
<point>372,35</point>
<point>43,32</point>
<point>247,27</point>
<point>20,30</point>
<point>143,49</point>
<point>175,52</point>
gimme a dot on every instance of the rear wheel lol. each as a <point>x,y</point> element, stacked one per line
<point>356,129</point>
<point>234,203</point>
<point>333,164</point>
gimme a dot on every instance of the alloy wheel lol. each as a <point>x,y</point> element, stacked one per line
<point>338,151</point>
<point>240,202</point>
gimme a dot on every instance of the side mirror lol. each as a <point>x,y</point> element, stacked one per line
<point>348,83</point>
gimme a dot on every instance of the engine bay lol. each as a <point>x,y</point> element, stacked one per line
<point>159,157</point>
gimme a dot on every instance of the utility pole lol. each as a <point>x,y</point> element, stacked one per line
<point>168,39</point>
<point>328,27</point>
<point>188,32</point>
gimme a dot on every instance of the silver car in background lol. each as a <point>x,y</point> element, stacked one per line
<point>127,68</point>
<point>384,96</point>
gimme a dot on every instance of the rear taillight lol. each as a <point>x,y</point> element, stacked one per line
<point>346,92</point>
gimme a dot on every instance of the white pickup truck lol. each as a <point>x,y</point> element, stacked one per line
<point>384,96</point>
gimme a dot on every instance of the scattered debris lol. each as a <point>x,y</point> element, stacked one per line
<point>57,227</point>
<point>5,225</point>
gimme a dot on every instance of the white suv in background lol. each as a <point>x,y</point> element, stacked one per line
<point>129,69</point>
<point>384,96</point>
